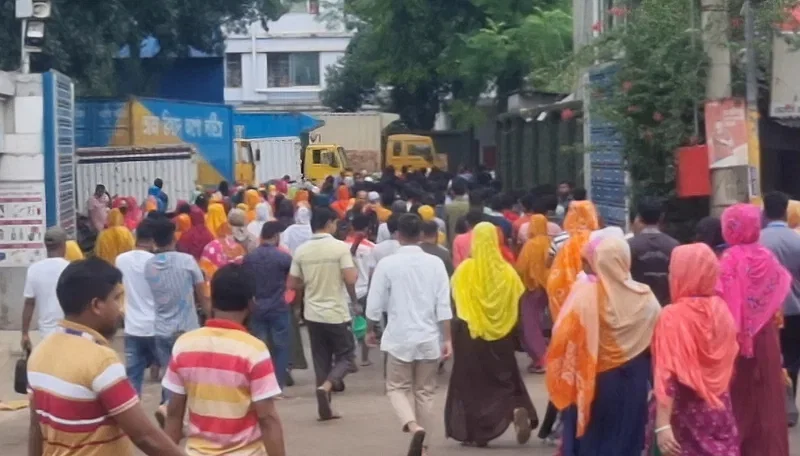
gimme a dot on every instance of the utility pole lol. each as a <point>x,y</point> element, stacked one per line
<point>753,143</point>
<point>32,15</point>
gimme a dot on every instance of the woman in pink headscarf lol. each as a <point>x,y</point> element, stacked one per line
<point>754,285</point>
<point>130,210</point>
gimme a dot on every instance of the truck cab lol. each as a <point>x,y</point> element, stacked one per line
<point>323,160</point>
<point>411,151</point>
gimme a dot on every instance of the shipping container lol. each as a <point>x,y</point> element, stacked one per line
<point>276,157</point>
<point>540,148</point>
<point>131,171</point>
<point>360,134</point>
<point>257,125</point>
<point>208,128</point>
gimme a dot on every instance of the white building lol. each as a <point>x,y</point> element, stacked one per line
<point>283,68</point>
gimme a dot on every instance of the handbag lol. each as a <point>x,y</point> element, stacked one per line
<point>21,374</point>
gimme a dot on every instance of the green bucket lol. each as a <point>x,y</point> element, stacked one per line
<point>359,327</point>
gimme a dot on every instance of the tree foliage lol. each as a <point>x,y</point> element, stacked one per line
<point>424,52</point>
<point>660,78</point>
<point>84,36</point>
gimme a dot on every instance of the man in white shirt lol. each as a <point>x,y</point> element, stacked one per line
<point>414,289</point>
<point>40,287</point>
<point>140,312</point>
<point>389,246</point>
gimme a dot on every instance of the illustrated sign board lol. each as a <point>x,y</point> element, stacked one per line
<point>22,224</point>
<point>59,151</point>
<point>608,188</point>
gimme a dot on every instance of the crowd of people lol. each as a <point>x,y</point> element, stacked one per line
<point>646,345</point>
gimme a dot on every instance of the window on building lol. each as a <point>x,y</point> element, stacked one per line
<point>298,6</point>
<point>233,70</point>
<point>313,6</point>
<point>295,69</point>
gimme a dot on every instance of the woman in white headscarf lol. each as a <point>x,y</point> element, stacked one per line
<point>298,233</point>
<point>263,215</point>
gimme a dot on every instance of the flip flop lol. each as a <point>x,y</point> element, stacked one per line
<point>324,406</point>
<point>522,425</point>
<point>417,443</point>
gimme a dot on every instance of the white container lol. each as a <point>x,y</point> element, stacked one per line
<point>277,157</point>
<point>131,171</point>
<point>353,131</point>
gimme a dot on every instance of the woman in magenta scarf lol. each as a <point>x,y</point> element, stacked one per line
<point>195,240</point>
<point>754,285</point>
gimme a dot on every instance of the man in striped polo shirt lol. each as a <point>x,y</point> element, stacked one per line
<point>225,378</point>
<point>82,404</point>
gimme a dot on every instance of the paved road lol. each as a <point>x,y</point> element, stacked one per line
<point>368,425</point>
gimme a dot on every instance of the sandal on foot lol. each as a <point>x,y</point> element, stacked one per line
<point>417,443</point>
<point>522,425</point>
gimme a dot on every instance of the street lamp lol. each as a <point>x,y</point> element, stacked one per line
<point>33,13</point>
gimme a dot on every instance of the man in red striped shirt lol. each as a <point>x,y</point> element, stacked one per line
<point>224,377</point>
<point>82,403</point>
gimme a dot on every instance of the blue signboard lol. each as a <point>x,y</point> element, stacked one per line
<point>208,127</point>
<point>102,123</point>
<point>608,187</point>
<point>59,150</point>
<point>257,125</point>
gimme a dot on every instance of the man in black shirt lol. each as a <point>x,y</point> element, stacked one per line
<point>651,250</point>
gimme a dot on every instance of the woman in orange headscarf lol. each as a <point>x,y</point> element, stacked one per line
<point>532,268</point>
<point>342,203</point>
<point>694,350</point>
<point>251,199</point>
<point>301,199</point>
<point>581,220</point>
<point>793,215</point>
<point>598,363</point>
<point>182,224</point>
<point>115,239</point>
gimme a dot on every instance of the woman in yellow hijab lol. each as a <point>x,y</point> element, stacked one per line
<point>115,239</point>
<point>428,214</point>
<point>251,200</point>
<point>73,252</point>
<point>580,221</point>
<point>486,392</point>
<point>216,220</point>
<point>533,270</point>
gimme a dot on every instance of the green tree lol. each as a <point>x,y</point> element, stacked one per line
<point>426,51</point>
<point>84,36</point>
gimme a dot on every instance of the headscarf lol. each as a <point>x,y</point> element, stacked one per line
<point>298,233</point>
<point>301,198</point>
<point>581,220</point>
<point>695,337</point>
<point>486,289</point>
<point>216,219</point>
<point>426,213</point>
<point>242,207</point>
<point>195,240</point>
<point>793,215</point>
<point>342,201</point>
<point>752,281</point>
<point>263,215</point>
<point>532,261</point>
<point>115,239</point>
<point>252,199</point>
<point>73,252</point>
<point>182,224</point>
<point>150,204</point>
<point>237,220</point>
<point>282,186</point>
<point>605,322</point>
<point>133,215</point>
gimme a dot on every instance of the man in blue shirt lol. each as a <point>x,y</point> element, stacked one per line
<point>784,242</point>
<point>270,321</point>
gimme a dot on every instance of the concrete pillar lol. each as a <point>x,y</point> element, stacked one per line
<point>21,173</point>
